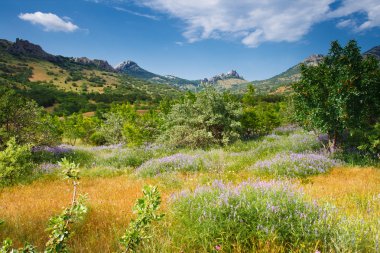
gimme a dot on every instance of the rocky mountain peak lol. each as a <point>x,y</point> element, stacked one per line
<point>313,60</point>
<point>127,65</point>
<point>233,74</point>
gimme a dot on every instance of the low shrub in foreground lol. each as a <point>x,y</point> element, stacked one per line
<point>178,162</point>
<point>126,158</point>
<point>295,165</point>
<point>15,163</point>
<point>247,216</point>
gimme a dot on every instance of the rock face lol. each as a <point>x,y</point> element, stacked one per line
<point>233,74</point>
<point>25,48</point>
<point>375,52</point>
<point>313,60</point>
<point>131,68</point>
<point>100,64</point>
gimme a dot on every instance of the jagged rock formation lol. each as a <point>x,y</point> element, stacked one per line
<point>100,64</point>
<point>233,74</point>
<point>25,48</point>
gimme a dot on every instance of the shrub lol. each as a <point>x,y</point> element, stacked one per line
<point>178,162</point>
<point>246,216</point>
<point>201,120</point>
<point>98,139</point>
<point>146,210</point>
<point>15,162</point>
<point>295,165</point>
<point>128,158</point>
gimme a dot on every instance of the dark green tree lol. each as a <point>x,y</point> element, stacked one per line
<point>340,94</point>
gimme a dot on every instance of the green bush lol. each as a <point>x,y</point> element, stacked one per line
<point>98,139</point>
<point>15,162</point>
<point>202,119</point>
<point>246,217</point>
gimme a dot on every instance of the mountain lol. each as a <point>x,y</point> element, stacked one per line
<point>375,52</point>
<point>225,80</point>
<point>68,84</point>
<point>133,69</point>
<point>281,82</point>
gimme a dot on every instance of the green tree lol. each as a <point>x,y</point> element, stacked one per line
<point>202,119</point>
<point>340,94</point>
<point>24,120</point>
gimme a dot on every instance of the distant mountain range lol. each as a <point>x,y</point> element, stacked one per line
<point>226,81</point>
<point>131,68</point>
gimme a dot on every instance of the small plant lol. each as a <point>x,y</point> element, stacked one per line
<point>59,226</point>
<point>7,248</point>
<point>146,210</point>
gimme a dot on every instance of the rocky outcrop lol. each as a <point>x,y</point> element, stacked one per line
<point>313,60</point>
<point>25,48</point>
<point>100,64</point>
<point>233,74</point>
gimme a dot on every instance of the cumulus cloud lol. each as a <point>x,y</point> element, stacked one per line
<point>256,21</point>
<point>49,21</point>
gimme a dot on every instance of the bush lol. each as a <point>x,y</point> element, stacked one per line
<point>204,119</point>
<point>15,162</point>
<point>129,158</point>
<point>178,162</point>
<point>247,217</point>
<point>295,165</point>
<point>98,139</point>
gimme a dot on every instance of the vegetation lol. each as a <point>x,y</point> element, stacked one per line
<point>339,95</point>
<point>235,173</point>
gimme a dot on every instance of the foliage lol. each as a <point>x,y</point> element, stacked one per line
<point>178,162</point>
<point>295,165</point>
<point>146,210</point>
<point>246,216</point>
<point>202,119</point>
<point>7,248</point>
<point>15,162</point>
<point>124,125</point>
<point>340,94</point>
<point>25,120</point>
<point>59,226</point>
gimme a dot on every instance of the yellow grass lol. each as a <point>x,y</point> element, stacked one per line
<point>26,209</point>
<point>355,191</point>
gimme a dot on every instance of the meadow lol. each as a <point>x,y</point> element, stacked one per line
<point>277,193</point>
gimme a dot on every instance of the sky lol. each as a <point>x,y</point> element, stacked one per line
<point>193,39</point>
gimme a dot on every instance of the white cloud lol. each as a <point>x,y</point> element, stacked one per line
<point>137,13</point>
<point>49,21</point>
<point>370,8</point>
<point>257,21</point>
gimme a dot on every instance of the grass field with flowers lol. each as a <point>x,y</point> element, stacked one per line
<point>278,193</point>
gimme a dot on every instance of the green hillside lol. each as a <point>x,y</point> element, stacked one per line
<point>66,85</point>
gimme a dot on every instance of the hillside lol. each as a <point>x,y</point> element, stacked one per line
<point>71,84</point>
<point>281,82</point>
<point>225,81</point>
<point>133,69</point>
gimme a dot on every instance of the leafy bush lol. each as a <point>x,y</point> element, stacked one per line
<point>138,229</point>
<point>97,138</point>
<point>200,120</point>
<point>178,162</point>
<point>124,159</point>
<point>15,162</point>
<point>295,165</point>
<point>248,216</point>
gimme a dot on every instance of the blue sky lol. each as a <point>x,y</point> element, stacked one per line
<point>193,39</point>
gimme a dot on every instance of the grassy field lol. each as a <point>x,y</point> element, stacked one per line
<point>113,178</point>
